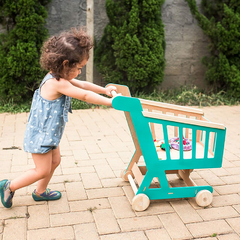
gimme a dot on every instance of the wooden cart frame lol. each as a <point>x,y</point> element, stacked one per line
<point>144,118</point>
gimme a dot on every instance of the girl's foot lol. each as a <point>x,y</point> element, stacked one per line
<point>46,196</point>
<point>6,193</point>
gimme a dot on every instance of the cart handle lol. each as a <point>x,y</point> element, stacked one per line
<point>114,93</point>
<point>183,120</point>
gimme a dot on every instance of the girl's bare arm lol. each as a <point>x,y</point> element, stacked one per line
<point>92,87</point>
<point>68,88</point>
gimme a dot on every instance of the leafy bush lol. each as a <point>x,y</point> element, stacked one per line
<point>131,51</point>
<point>20,45</point>
<point>221,23</point>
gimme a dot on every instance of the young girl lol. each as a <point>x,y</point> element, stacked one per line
<point>64,56</point>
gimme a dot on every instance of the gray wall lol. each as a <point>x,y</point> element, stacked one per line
<point>186,43</point>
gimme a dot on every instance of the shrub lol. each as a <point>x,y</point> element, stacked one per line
<point>131,51</point>
<point>20,45</point>
<point>221,23</point>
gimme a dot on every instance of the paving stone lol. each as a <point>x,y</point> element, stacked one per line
<point>76,169</point>
<point>207,238</point>
<point>77,206</point>
<point>75,191</point>
<point>104,192</point>
<point>68,162</point>
<point>1,225</point>
<point>104,171</point>
<point>92,162</point>
<point>20,158</point>
<point>157,234</point>
<point>38,217</point>
<point>125,236</point>
<point>231,179</point>
<point>186,212</point>
<point>237,207</point>
<point>105,146</point>
<point>92,148</point>
<point>113,182</point>
<point>105,221</point>
<point>59,206</point>
<point>57,186</point>
<point>96,202</point>
<point>71,218</point>
<point>56,233</point>
<point>211,178</point>
<point>234,223</point>
<point>228,237</point>
<point>6,156</point>
<point>234,170</point>
<point>156,208</point>
<point>116,163</point>
<point>139,223</point>
<point>228,189</point>
<point>204,229</point>
<point>66,178</point>
<point>80,154</point>
<point>15,229</point>
<point>225,200</point>
<point>174,226</point>
<point>217,213</point>
<point>94,156</point>
<point>230,156</point>
<point>121,207</point>
<point>91,180</point>
<point>86,231</point>
<point>5,166</point>
<point>236,163</point>
<point>14,212</point>
<point>220,172</point>
<point>227,164</point>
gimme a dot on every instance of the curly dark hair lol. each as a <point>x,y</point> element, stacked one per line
<point>73,45</point>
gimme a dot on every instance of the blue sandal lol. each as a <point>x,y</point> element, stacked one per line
<point>46,196</point>
<point>6,200</point>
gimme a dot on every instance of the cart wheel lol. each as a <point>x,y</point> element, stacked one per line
<point>140,202</point>
<point>204,198</point>
<point>124,175</point>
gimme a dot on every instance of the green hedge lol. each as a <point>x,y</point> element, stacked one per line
<point>20,45</point>
<point>131,51</point>
<point>221,23</point>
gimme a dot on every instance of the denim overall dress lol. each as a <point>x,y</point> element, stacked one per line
<point>46,122</point>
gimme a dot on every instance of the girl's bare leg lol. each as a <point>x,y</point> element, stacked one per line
<point>43,183</point>
<point>43,166</point>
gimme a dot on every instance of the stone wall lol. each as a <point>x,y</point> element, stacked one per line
<point>186,44</point>
<point>63,15</point>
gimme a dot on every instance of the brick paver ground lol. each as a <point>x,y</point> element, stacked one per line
<point>95,203</point>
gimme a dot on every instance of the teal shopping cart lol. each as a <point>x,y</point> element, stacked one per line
<point>152,122</point>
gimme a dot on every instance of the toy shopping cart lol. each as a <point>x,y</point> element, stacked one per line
<point>152,122</point>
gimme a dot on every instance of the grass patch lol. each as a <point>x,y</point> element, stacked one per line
<point>192,96</point>
<point>12,107</point>
<point>185,96</point>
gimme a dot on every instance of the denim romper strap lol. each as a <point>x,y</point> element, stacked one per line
<point>67,104</point>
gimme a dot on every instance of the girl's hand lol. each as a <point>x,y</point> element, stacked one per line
<point>109,89</point>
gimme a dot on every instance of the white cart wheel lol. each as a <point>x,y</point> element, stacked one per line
<point>140,202</point>
<point>124,175</point>
<point>204,198</point>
